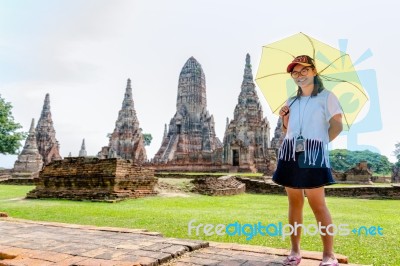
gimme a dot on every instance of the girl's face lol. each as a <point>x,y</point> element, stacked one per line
<point>303,75</point>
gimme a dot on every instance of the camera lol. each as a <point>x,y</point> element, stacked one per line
<point>299,144</point>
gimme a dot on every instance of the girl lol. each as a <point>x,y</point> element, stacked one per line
<point>310,120</point>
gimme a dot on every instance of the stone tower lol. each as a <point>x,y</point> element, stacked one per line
<point>82,152</point>
<point>46,135</point>
<point>127,140</point>
<point>279,135</point>
<point>29,160</point>
<point>247,136</point>
<point>191,130</point>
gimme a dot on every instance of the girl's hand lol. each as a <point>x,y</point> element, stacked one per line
<point>284,111</point>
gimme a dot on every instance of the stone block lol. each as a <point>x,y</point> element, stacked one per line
<point>81,178</point>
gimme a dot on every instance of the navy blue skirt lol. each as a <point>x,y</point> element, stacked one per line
<point>297,174</point>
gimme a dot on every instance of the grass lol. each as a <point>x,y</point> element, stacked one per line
<point>171,216</point>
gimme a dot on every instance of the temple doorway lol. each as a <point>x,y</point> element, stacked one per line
<point>235,157</point>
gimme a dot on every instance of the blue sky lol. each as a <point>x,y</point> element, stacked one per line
<point>82,53</point>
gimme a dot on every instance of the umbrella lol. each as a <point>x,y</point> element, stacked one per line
<point>333,66</point>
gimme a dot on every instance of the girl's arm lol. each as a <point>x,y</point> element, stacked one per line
<point>335,126</point>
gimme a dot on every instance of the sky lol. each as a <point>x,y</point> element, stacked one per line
<point>83,52</point>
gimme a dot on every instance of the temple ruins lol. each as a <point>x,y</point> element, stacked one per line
<point>82,151</point>
<point>127,140</point>
<point>190,143</point>
<point>29,161</point>
<point>82,178</point>
<point>247,135</point>
<point>46,140</point>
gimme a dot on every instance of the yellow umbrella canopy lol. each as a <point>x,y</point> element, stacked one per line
<point>333,66</point>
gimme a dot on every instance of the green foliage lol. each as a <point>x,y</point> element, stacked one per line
<point>343,160</point>
<point>9,137</point>
<point>397,153</point>
<point>147,139</point>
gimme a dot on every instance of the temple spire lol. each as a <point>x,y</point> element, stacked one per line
<point>128,99</point>
<point>191,87</point>
<point>127,139</point>
<point>30,143</point>
<point>29,160</point>
<point>32,129</point>
<point>46,135</point>
<point>246,139</point>
<point>82,152</point>
<point>165,131</point>
<point>248,75</point>
<point>46,106</point>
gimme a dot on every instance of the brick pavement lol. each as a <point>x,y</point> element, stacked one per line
<point>30,243</point>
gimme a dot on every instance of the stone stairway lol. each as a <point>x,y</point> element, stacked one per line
<point>167,155</point>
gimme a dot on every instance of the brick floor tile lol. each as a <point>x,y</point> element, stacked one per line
<point>128,246</point>
<point>175,250</point>
<point>49,256</point>
<point>24,261</point>
<point>162,257</point>
<point>200,261</point>
<point>71,261</point>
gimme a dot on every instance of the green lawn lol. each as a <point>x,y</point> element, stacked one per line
<point>171,216</point>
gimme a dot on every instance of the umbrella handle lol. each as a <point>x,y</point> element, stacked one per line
<point>293,101</point>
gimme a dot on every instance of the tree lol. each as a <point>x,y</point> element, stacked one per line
<point>147,139</point>
<point>342,160</point>
<point>397,153</point>
<point>9,136</point>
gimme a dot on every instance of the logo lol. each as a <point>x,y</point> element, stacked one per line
<point>249,231</point>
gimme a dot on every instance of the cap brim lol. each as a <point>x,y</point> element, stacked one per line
<point>292,65</point>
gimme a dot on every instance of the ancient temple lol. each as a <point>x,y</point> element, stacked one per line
<point>359,174</point>
<point>127,140</point>
<point>29,160</point>
<point>85,178</point>
<point>190,138</point>
<point>278,137</point>
<point>82,151</point>
<point>46,140</point>
<point>247,136</point>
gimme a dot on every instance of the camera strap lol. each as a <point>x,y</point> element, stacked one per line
<point>302,117</point>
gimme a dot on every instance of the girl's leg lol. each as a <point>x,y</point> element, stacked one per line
<point>296,202</point>
<point>316,199</point>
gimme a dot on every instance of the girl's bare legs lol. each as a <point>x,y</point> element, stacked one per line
<point>296,202</point>
<point>316,199</point>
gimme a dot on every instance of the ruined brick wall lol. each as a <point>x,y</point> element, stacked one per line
<point>262,187</point>
<point>218,186</point>
<point>81,178</point>
<point>193,162</point>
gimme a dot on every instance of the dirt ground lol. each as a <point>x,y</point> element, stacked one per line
<point>174,187</point>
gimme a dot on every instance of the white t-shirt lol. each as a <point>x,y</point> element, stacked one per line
<point>309,117</point>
